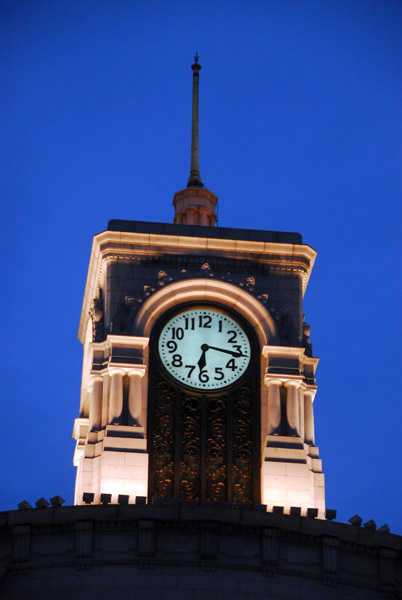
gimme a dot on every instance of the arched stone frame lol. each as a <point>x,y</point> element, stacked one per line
<point>204,290</point>
<point>224,294</point>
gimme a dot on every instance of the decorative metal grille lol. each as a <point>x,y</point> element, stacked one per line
<point>203,447</point>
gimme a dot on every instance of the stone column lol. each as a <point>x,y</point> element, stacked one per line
<point>95,406</point>
<point>301,412</point>
<point>309,416</point>
<point>292,407</point>
<point>204,220</point>
<point>116,398</point>
<point>274,406</point>
<point>135,397</point>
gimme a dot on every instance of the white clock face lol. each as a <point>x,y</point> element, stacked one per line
<point>204,348</point>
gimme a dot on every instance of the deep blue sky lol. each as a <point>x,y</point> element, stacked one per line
<point>300,131</point>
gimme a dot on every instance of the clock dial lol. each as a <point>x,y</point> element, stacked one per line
<point>204,348</point>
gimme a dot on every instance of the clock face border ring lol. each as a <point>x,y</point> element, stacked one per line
<point>218,353</point>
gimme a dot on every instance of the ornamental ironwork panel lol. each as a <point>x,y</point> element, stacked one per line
<point>242,444</point>
<point>203,446</point>
<point>163,439</point>
<point>190,447</point>
<point>216,449</point>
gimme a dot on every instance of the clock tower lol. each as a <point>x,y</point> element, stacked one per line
<point>198,376</point>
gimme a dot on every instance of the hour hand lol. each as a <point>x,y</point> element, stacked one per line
<point>203,361</point>
<point>231,352</point>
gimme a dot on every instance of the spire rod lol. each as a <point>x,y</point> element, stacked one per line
<point>195,180</point>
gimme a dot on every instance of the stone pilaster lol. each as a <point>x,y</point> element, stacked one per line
<point>292,407</point>
<point>135,396</point>
<point>274,405</point>
<point>83,539</point>
<point>21,546</point>
<point>270,545</point>
<point>146,537</point>
<point>309,416</point>
<point>95,407</point>
<point>330,552</point>
<point>116,397</point>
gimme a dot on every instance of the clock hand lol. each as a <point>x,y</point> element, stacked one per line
<point>231,352</point>
<point>203,361</point>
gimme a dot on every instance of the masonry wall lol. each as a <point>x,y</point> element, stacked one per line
<point>137,279</point>
<point>191,552</point>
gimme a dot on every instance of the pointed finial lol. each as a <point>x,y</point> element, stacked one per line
<point>195,180</point>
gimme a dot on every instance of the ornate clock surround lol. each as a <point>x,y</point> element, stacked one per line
<point>206,443</point>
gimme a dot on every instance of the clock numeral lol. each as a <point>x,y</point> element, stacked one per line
<point>205,321</point>
<point>177,360</point>
<point>177,333</point>
<point>231,364</point>
<point>233,336</point>
<point>203,376</point>
<point>238,348</point>
<point>220,325</point>
<point>218,371</point>
<point>189,323</point>
<point>191,367</point>
<point>172,346</point>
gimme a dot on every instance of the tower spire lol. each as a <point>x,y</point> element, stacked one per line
<point>195,180</point>
<point>195,205</point>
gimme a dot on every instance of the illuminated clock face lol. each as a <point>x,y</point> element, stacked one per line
<point>204,348</point>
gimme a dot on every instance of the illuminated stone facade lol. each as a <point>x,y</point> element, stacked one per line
<point>138,273</point>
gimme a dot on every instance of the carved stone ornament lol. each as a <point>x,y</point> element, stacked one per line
<point>282,322</point>
<point>206,271</point>
<point>132,304</point>
<point>248,285</point>
<point>97,315</point>
<point>306,338</point>
<point>284,325</point>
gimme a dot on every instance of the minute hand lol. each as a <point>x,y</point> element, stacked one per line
<point>231,352</point>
